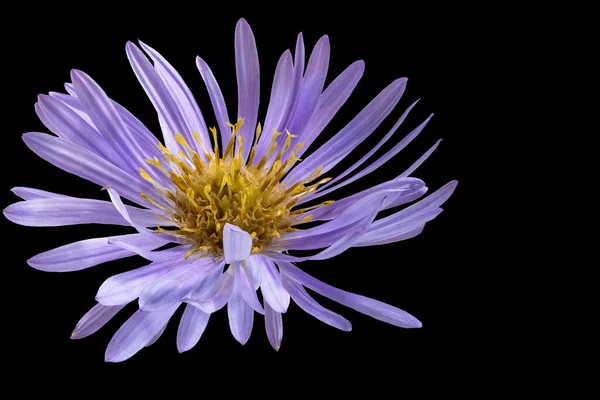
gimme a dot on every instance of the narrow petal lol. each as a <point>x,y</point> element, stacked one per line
<point>241,318</point>
<point>127,286</point>
<point>137,332</point>
<point>87,165</point>
<point>248,81</point>
<point>94,319</point>
<point>353,134</point>
<point>244,286</point>
<point>61,211</point>
<point>373,308</point>
<point>87,253</point>
<point>148,254</point>
<point>297,73</point>
<point>332,99</point>
<point>218,296</point>
<point>237,244</point>
<point>175,285</point>
<point>191,327</point>
<point>420,161</point>
<point>280,93</point>
<point>216,98</point>
<point>311,86</point>
<point>203,288</point>
<point>181,94</point>
<point>273,326</point>
<point>167,109</point>
<point>271,287</point>
<point>70,126</point>
<point>397,237</point>
<point>401,191</point>
<point>157,336</point>
<point>32,194</point>
<point>108,121</point>
<point>403,143</point>
<point>313,308</point>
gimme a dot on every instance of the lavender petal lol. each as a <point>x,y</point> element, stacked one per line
<point>241,318</point>
<point>271,287</point>
<point>216,98</point>
<point>237,244</point>
<point>273,326</point>
<point>373,308</point>
<point>94,319</point>
<point>191,327</point>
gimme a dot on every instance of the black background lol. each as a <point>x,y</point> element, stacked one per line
<point>432,276</point>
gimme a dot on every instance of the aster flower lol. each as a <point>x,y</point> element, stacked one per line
<point>230,200</point>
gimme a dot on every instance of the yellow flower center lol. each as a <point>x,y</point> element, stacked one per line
<point>225,189</point>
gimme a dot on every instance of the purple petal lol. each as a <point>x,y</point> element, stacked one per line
<point>281,91</point>
<point>175,285</point>
<point>87,253</point>
<point>332,99</point>
<point>127,286</point>
<point>271,287</point>
<point>157,336</point>
<point>108,121</point>
<point>420,161</point>
<point>61,211</point>
<point>191,327</point>
<point>218,296</point>
<point>294,97</point>
<point>69,126</point>
<point>403,143</point>
<point>34,194</point>
<point>202,289</point>
<point>181,94</point>
<point>237,244</point>
<point>313,308</point>
<point>373,308</point>
<point>248,81</point>
<point>241,318</point>
<point>87,165</point>
<point>162,255</point>
<point>397,237</point>
<point>255,272</point>
<point>216,98</point>
<point>244,286</point>
<point>167,109</point>
<point>94,319</point>
<point>401,191</point>
<point>137,332</point>
<point>273,326</point>
<point>311,86</point>
<point>353,134</point>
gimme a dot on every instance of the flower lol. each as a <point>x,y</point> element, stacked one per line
<point>230,201</point>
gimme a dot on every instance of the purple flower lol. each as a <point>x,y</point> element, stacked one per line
<point>232,199</point>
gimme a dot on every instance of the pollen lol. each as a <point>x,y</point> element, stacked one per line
<point>224,188</point>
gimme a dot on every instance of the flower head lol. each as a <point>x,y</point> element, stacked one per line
<point>231,200</point>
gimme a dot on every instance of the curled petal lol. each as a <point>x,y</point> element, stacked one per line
<point>237,244</point>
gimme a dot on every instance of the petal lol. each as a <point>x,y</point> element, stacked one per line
<point>280,93</point>
<point>108,121</point>
<point>237,244</point>
<point>401,191</point>
<point>217,100</point>
<point>248,81</point>
<point>218,295</point>
<point>373,308</point>
<point>167,109</point>
<point>273,326</point>
<point>191,327</point>
<point>33,194</point>
<point>137,332</point>
<point>294,97</point>
<point>332,99</point>
<point>148,254</point>
<point>403,143</point>
<point>244,286</point>
<point>94,319</point>
<point>202,289</point>
<point>181,94</point>
<point>353,134</point>
<point>60,211</point>
<point>70,126</point>
<point>311,86</point>
<point>271,287</point>
<point>87,253</point>
<point>313,308</point>
<point>127,286</point>
<point>420,161</point>
<point>175,285</point>
<point>241,318</point>
<point>87,165</point>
